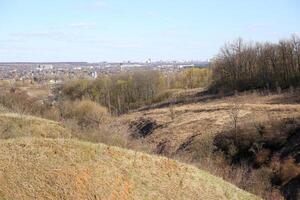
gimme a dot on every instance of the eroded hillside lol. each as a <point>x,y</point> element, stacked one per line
<point>34,166</point>
<point>179,126</point>
<point>198,132</point>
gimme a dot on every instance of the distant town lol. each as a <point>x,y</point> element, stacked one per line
<point>58,72</point>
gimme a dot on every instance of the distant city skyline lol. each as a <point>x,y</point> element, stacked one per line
<point>137,30</point>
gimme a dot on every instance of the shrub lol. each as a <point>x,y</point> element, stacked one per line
<point>85,112</point>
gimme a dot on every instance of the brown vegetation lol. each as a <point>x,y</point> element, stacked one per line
<point>250,139</point>
<point>273,146</point>
<point>16,125</point>
<point>191,134</point>
<point>243,66</point>
<point>85,112</point>
<point>126,91</point>
<point>33,168</point>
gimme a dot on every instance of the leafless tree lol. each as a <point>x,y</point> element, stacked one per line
<point>243,66</point>
<point>234,114</point>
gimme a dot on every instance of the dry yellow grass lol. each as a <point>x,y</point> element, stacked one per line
<point>15,125</point>
<point>206,119</point>
<point>35,91</point>
<point>187,132</point>
<point>39,168</point>
<point>33,167</point>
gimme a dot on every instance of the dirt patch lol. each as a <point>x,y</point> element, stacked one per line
<point>161,147</point>
<point>142,127</point>
<point>186,143</point>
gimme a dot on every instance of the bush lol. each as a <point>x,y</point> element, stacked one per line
<point>85,112</point>
<point>20,102</point>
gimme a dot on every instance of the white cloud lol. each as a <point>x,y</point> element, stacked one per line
<point>83,25</point>
<point>11,40</point>
<point>21,36</point>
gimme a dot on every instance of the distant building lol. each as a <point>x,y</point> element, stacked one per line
<point>94,74</point>
<point>44,67</point>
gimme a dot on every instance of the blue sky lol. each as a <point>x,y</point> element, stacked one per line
<point>119,30</point>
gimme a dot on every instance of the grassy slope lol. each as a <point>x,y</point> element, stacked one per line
<point>206,119</point>
<point>46,165</point>
<point>38,168</point>
<point>15,125</point>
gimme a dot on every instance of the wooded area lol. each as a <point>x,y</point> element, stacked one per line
<point>129,90</point>
<point>243,66</point>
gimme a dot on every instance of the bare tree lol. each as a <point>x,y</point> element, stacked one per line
<point>234,112</point>
<point>172,111</point>
<point>244,66</point>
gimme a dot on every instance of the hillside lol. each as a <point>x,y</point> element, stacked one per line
<point>33,168</point>
<point>200,130</point>
<point>187,124</point>
<point>15,125</point>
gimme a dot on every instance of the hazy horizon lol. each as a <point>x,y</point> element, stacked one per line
<point>117,31</point>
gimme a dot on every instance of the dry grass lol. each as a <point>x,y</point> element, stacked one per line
<point>36,168</point>
<point>209,118</point>
<point>81,170</point>
<point>15,125</point>
<point>189,136</point>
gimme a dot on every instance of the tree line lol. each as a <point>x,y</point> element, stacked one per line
<point>125,91</point>
<point>244,66</point>
<point>189,78</point>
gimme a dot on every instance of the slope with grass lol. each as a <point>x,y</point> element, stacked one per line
<point>187,131</point>
<point>39,168</point>
<point>16,125</point>
<point>178,128</point>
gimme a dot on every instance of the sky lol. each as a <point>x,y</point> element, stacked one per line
<point>136,30</point>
